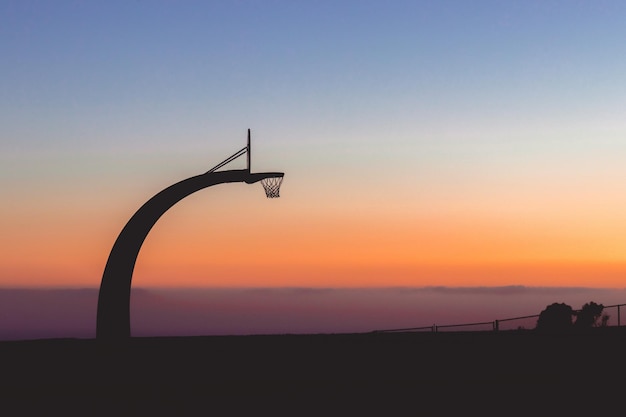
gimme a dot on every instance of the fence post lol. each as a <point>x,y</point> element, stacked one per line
<point>496,325</point>
<point>619,322</point>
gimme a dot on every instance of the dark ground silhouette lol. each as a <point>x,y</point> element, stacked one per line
<point>473,373</point>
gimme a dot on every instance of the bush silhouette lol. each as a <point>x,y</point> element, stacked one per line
<point>588,316</point>
<point>557,317</point>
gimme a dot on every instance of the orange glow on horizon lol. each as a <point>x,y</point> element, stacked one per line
<point>338,243</point>
<point>324,251</point>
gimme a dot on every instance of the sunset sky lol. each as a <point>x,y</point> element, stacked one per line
<point>424,143</point>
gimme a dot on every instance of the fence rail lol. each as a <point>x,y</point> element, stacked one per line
<point>495,323</point>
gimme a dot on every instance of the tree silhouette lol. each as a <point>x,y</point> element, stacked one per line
<point>588,316</point>
<point>557,317</point>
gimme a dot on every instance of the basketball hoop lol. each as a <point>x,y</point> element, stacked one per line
<point>271,180</point>
<point>272,186</point>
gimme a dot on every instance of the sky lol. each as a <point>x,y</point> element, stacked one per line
<point>424,143</point>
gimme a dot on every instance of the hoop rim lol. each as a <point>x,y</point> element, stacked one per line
<point>258,176</point>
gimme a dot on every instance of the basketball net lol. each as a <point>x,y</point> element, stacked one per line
<point>272,186</point>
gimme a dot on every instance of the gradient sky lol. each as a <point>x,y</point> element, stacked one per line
<point>424,143</point>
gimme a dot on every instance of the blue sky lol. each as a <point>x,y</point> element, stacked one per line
<point>159,69</point>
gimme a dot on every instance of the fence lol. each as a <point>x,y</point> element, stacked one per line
<point>523,322</point>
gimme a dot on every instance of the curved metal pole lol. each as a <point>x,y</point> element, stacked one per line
<point>113,315</point>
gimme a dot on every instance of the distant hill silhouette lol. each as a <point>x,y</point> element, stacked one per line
<point>61,313</point>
